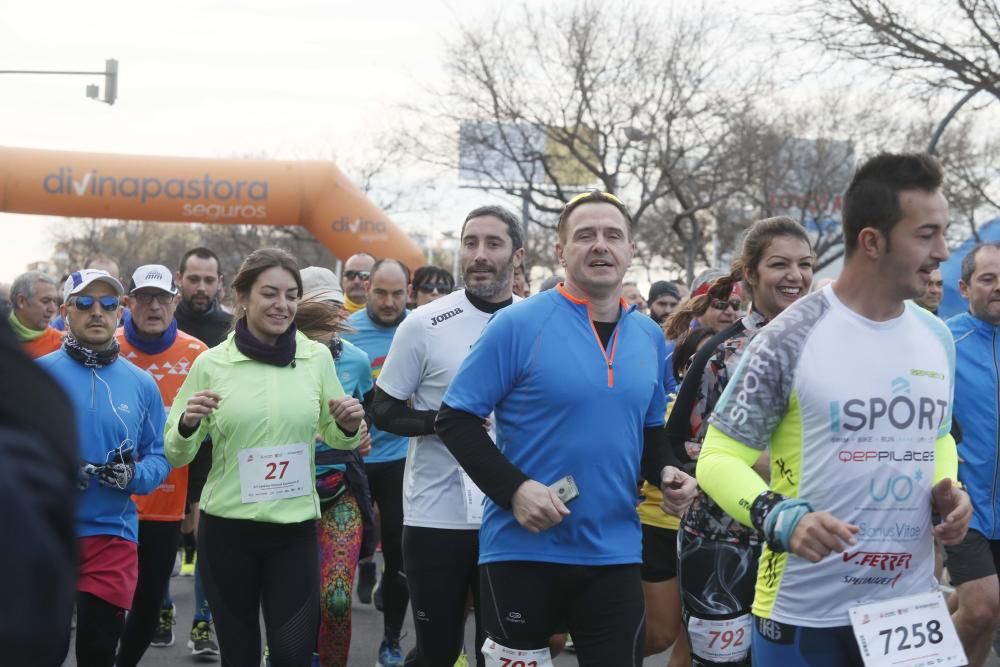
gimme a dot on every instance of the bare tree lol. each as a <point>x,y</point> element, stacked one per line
<point>943,44</point>
<point>546,103</point>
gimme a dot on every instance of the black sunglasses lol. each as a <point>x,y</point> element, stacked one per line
<point>85,303</point>
<point>351,275</point>
<point>722,304</point>
<point>428,288</point>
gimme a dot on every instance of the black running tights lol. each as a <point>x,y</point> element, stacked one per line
<point>251,566</point>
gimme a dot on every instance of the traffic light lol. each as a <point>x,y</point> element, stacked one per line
<point>110,80</point>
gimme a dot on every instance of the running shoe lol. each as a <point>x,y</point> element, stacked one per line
<point>366,581</point>
<point>187,563</point>
<point>164,635</point>
<point>202,643</point>
<point>389,654</point>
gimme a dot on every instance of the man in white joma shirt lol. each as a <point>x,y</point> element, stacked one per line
<point>442,508</point>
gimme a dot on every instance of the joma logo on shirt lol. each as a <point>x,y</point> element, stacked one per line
<point>438,319</point>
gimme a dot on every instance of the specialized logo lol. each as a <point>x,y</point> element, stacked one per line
<point>872,581</point>
<point>890,561</point>
<point>123,407</point>
<point>438,319</point>
<point>243,198</point>
<point>515,617</point>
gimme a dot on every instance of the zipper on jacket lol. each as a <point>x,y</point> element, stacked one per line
<point>609,360</point>
<point>996,431</point>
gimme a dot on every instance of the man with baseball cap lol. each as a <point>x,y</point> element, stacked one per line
<point>149,338</point>
<point>120,417</point>
<point>663,298</point>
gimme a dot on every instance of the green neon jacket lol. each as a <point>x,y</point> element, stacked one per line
<point>262,406</point>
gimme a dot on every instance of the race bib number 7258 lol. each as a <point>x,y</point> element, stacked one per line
<point>914,631</point>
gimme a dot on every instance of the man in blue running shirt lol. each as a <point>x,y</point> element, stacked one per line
<point>575,377</point>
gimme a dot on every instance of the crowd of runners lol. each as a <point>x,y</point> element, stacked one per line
<point>750,469</point>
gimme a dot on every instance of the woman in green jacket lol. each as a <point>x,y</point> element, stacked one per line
<point>263,395</point>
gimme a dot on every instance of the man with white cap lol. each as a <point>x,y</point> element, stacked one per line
<point>120,419</point>
<point>149,338</point>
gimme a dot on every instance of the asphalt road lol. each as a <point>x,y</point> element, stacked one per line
<point>366,635</point>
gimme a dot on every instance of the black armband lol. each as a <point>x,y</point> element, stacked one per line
<point>762,506</point>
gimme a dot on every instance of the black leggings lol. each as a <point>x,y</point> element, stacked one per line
<point>717,581</point>
<point>98,627</point>
<point>441,570</point>
<point>158,541</point>
<point>386,483</point>
<point>251,566</point>
<point>525,602</point>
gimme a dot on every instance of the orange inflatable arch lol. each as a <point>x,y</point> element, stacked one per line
<point>315,195</point>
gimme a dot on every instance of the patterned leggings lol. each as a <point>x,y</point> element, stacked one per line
<point>339,533</point>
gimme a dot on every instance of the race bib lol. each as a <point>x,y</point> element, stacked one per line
<point>272,473</point>
<point>915,631</point>
<point>474,500</point>
<point>720,641</point>
<point>501,656</point>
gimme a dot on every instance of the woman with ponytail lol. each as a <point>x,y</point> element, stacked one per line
<point>717,556</point>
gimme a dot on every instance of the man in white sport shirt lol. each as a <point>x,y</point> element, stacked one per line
<point>442,508</point>
<point>850,389</point>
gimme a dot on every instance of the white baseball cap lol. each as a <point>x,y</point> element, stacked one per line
<point>78,281</point>
<point>153,275</point>
<point>320,284</point>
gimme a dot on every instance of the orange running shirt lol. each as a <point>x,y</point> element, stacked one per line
<point>50,341</point>
<point>169,368</point>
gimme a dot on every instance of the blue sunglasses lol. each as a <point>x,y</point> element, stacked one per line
<point>85,303</point>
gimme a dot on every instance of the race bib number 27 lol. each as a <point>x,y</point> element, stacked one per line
<point>272,473</point>
<point>914,631</point>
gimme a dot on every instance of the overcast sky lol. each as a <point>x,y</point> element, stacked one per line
<point>290,80</point>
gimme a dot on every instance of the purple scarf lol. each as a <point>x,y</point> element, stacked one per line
<point>282,353</point>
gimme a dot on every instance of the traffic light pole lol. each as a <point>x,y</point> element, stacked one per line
<point>110,75</point>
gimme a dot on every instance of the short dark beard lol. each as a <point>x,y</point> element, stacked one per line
<point>201,310</point>
<point>373,316</point>
<point>491,290</point>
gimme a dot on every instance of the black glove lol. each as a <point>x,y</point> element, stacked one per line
<point>117,475</point>
<point>83,475</point>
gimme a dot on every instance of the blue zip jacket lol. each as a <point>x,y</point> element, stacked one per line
<point>115,406</point>
<point>566,406</point>
<point>977,409</point>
